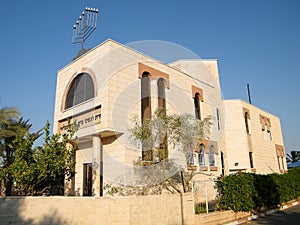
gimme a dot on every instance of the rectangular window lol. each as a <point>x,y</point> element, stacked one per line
<point>218,119</point>
<point>251,160</point>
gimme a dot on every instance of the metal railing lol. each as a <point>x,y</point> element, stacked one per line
<point>204,196</point>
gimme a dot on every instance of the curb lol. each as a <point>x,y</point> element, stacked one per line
<point>268,212</point>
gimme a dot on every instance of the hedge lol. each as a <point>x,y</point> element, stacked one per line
<point>247,192</point>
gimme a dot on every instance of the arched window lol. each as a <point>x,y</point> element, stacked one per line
<point>162,105</point>
<point>211,156</point>
<point>81,90</point>
<point>161,93</point>
<point>197,106</point>
<point>145,97</point>
<point>147,153</point>
<point>201,159</point>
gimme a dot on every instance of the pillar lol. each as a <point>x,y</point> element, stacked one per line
<point>97,166</point>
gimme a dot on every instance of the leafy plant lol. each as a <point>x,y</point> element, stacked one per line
<point>247,192</point>
<point>11,128</point>
<point>42,168</point>
<point>157,134</point>
<point>236,192</point>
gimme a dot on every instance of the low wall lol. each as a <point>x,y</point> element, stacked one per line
<point>151,209</point>
<point>217,218</point>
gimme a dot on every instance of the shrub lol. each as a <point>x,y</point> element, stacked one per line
<point>266,192</point>
<point>236,192</point>
<point>246,192</point>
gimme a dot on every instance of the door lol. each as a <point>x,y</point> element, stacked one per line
<point>87,179</point>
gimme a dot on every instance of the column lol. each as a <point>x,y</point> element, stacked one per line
<point>97,165</point>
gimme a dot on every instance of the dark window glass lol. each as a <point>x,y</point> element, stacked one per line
<point>222,163</point>
<point>81,90</point>
<point>201,160</point>
<point>246,122</point>
<point>161,93</point>
<point>145,96</point>
<point>218,119</point>
<point>197,106</point>
<point>211,156</point>
<point>147,153</point>
<point>251,160</point>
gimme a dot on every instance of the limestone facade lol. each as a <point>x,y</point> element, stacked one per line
<point>254,140</point>
<point>102,92</point>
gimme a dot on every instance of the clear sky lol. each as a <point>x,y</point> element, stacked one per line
<point>255,41</point>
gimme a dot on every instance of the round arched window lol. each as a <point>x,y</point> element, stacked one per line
<point>81,90</point>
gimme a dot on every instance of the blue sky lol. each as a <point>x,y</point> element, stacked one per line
<point>255,41</point>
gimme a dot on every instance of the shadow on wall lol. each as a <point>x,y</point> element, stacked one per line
<point>11,213</point>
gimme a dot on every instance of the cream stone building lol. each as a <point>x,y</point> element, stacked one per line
<point>254,140</point>
<point>106,89</point>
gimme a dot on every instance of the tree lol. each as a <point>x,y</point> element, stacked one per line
<point>11,127</point>
<point>294,156</point>
<point>55,160</point>
<point>181,132</point>
<point>23,169</point>
<point>43,167</point>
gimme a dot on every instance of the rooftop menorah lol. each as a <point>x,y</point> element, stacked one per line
<point>85,25</point>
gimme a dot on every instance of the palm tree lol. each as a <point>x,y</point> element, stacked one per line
<point>7,115</point>
<point>293,157</point>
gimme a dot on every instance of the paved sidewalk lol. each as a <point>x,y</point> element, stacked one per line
<point>269,212</point>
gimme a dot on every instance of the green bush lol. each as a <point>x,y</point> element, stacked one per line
<point>247,192</point>
<point>288,185</point>
<point>266,193</point>
<point>236,192</point>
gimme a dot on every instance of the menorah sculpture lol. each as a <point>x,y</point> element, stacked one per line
<point>85,25</point>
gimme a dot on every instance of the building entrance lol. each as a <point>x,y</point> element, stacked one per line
<point>87,179</point>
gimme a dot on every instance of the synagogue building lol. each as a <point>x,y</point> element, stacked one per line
<point>110,87</point>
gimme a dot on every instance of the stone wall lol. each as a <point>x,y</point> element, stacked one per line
<point>152,209</point>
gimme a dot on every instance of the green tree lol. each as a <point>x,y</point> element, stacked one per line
<point>180,132</point>
<point>55,161</point>
<point>23,169</point>
<point>11,127</point>
<point>44,167</point>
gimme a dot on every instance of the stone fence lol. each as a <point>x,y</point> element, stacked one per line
<point>151,209</point>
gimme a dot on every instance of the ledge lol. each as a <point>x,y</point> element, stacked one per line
<point>213,168</point>
<point>192,167</point>
<point>203,168</point>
